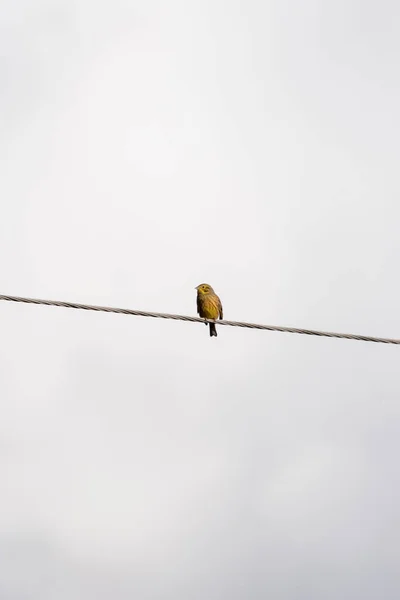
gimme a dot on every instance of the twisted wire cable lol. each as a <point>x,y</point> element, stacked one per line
<point>156,315</point>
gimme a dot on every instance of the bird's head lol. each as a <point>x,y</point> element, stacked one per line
<point>204,288</point>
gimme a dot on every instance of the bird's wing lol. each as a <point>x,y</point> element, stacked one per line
<point>221,313</point>
<point>198,306</point>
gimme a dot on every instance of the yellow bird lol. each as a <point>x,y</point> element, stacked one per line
<point>209,305</point>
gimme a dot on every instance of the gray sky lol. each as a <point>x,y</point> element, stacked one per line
<point>148,147</point>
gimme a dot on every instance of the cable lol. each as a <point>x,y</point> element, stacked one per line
<point>142,313</point>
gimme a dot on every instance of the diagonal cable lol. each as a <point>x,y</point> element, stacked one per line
<point>156,315</point>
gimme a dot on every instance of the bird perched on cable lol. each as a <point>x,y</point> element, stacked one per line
<point>209,305</point>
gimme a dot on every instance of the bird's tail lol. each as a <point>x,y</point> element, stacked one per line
<point>213,330</point>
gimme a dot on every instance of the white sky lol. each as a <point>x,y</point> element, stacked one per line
<point>147,147</point>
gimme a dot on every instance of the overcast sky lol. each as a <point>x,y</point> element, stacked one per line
<point>148,147</point>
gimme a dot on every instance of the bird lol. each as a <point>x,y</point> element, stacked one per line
<point>209,305</point>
